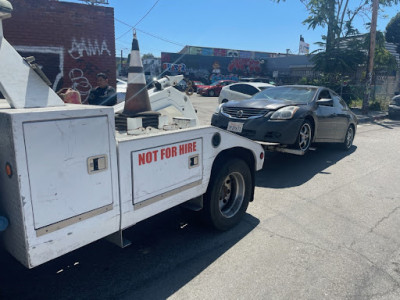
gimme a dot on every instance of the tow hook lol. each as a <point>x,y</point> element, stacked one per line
<point>3,223</point>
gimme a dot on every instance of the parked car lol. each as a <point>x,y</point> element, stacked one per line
<point>213,89</point>
<point>255,79</point>
<point>121,90</point>
<point>293,116</point>
<point>394,107</point>
<point>196,84</point>
<point>241,90</point>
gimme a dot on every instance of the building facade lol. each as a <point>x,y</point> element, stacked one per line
<point>213,64</point>
<point>72,42</point>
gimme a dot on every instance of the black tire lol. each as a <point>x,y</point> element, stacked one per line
<point>349,138</point>
<point>304,136</point>
<point>228,194</point>
<point>211,93</point>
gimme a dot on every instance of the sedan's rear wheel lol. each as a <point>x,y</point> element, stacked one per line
<point>348,140</point>
<point>304,137</point>
<point>211,93</point>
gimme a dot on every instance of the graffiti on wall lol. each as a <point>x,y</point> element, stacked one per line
<point>246,65</point>
<point>205,51</point>
<point>50,60</point>
<point>212,68</point>
<point>217,77</point>
<point>88,48</point>
<point>181,68</point>
<point>80,82</point>
<point>232,53</point>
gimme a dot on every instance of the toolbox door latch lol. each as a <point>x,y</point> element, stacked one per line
<point>97,164</point>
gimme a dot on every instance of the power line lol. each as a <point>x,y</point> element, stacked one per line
<point>123,33</point>
<point>160,38</point>
<point>146,13</point>
<point>125,46</point>
<point>137,21</point>
<point>148,33</point>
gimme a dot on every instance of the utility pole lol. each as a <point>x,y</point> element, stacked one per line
<point>367,95</point>
<point>120,65</point>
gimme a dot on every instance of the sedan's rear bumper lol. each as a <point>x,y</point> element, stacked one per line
<point>203,92</point>
<point>263,129</point>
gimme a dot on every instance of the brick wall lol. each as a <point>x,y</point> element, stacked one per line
<point>71,41</point>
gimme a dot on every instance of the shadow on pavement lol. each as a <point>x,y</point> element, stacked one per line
<point>387,123</point>
<point>283,170</point>
<point>167,252</point>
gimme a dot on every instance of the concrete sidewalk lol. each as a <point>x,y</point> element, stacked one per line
<point>372,115</point>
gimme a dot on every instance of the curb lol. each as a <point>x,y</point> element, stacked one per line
<point>366,119</point>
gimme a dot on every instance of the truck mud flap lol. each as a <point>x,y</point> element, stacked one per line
<point>118,239</point>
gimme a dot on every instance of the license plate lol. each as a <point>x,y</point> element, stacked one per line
<point>235,127</point>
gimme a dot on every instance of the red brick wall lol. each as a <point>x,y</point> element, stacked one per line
<point>71,41</point>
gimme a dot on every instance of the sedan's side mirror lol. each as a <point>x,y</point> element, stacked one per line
<point>325,102</point>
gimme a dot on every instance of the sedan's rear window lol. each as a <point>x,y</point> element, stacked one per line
<point>395,101</point>
<point>264,87</point>
<point>244,88</point>
<point>288,93</point>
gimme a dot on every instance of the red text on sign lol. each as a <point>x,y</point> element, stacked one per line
<point>165,153</point>
<point>168,152</point>
<point>187,148</point>
<point>147,157</point>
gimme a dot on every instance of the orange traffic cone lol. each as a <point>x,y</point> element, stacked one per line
<point>136,99</point>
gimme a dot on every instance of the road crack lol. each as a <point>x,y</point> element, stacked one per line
<point>295,240</point>
<point>384,218</point>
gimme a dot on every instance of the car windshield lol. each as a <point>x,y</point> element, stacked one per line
<point>215,83</point>
<point>297,94</point>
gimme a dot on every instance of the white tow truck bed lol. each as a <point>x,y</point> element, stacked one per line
<point>75,179</point>
<point>69,178</point>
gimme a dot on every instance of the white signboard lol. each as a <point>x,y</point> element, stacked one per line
<point>304,48</point>
<point>165,168</point>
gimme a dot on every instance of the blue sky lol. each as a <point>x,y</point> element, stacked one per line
<point>255,25</point>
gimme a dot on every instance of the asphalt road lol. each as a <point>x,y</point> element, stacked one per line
<point>322,226</point>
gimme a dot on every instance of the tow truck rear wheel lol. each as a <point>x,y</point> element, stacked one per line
<point>228,194</point>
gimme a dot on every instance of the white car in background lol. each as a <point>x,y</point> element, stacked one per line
<point>241,90</point>
<point>121,90</point>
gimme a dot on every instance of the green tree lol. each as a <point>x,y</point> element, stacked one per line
<point>147,55</point>
<point>337,16</point>
<point>383,59</point>
<point>345,58</point>
<point>393,31</point>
